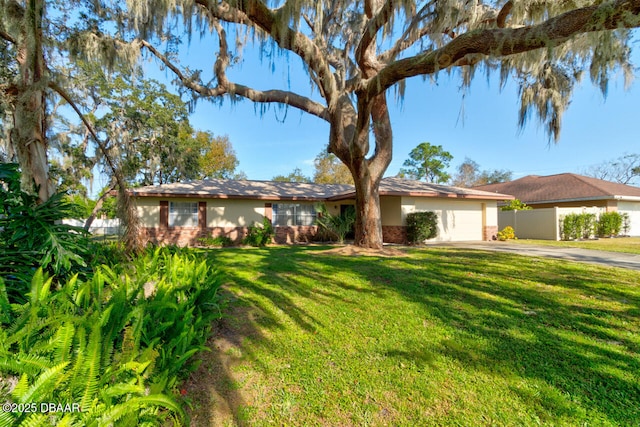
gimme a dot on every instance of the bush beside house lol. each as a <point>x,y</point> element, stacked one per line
<point>421,226</point>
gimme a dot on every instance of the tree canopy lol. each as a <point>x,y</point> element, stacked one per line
<point>428,162</point>
<point>469,174</point>
<point>295,176</point>
<point>353,52</point>
<point>330,170</point>
<point>217,157</point>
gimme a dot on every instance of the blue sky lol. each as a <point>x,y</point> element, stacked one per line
<point>480,124</point>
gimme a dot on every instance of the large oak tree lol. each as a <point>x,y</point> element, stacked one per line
<point>355,51</point>
<point>39,42</point>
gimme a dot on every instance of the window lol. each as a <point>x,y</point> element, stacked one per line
<point>183,214</point>
<point>288,214</point>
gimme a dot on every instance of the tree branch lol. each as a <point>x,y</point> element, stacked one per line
<point>226,87</point>
<point>370,31</point>
<point>501,20</point>
<point>504,42</point>
<point>256,14</point>
<point>7,37</point>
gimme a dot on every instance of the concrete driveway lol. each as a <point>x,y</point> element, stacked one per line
<point>611,259</point>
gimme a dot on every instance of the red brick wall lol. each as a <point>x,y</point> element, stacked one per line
<point>489,232</point>
<point>394,234</point>
<point>182,236</point>
<point>294,234</point>
<point>234,233</point>
<point>188,236</point>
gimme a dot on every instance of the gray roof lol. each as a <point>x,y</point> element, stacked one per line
<point>388,186</point>
<point>243,189</point>
<point>273,190</point>
<point>394,186</point>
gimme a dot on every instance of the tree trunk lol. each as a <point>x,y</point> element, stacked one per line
<point>368,230</point>
<point>349,141</point>
<point>28,135</point>
<point>97,207</point>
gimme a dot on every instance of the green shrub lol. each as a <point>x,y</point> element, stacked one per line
<point>218,241</point>
<point>609,224</point>
<point>507,233</point>
<point>335,226</point>
<point>259,235</point>
<point>116,344</point>
<point>516,205</point>
<point>578,226</point>
<point>421,226</point>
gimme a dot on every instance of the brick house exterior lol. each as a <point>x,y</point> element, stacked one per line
<point>183,213</point>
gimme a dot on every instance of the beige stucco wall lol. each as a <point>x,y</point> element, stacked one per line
<point>334,207</point>
<point>148,212</point>
<point>458,220</point>
<point>234,212</point>
<point>541,223</point>
<point>391,210</point>
<point>633,210</point>
<point>491,213</point>
<point>220,212</point>
<point>532,224</point>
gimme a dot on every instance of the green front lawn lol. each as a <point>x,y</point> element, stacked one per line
<point>438,337</point>
<point>619,244</point>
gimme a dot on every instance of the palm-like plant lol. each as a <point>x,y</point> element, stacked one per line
<point>336,225</point>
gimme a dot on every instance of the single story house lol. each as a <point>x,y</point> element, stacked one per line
<point>182,213</point>
<point>569,192</point>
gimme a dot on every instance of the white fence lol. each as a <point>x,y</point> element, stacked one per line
<point>99,227</point>
<point>540,223</point>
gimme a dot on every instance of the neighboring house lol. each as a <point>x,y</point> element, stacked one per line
<point>564,193</point>
<point>184,212</point>
<point>99,227</point>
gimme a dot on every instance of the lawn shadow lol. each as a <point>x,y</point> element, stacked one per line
<point>558,331</point>
<point>213,389</point>
<point>222,393</point>
<point>564,330</point>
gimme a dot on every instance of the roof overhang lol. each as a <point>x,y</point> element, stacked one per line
<point>628,198</point>
<point>433,194</point>
<point>133,193</point>
<point>572,200</point>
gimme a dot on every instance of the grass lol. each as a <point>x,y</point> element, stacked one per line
<point>440,336</point>
<point>620,244</point>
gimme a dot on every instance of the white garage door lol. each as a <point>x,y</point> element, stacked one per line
<point>457,220</point>
<point>633,210</point>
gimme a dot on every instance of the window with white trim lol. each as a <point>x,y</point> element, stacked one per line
<point>183,214</point>
<point>292,214</point>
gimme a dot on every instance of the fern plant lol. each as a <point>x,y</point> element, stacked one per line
<point>115,345</point>
<point>61,350</point>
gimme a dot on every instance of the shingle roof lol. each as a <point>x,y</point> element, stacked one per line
<point>272,190</point>
<point>534,189</point>
<point>405,187</point>
<point>243,189</point>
